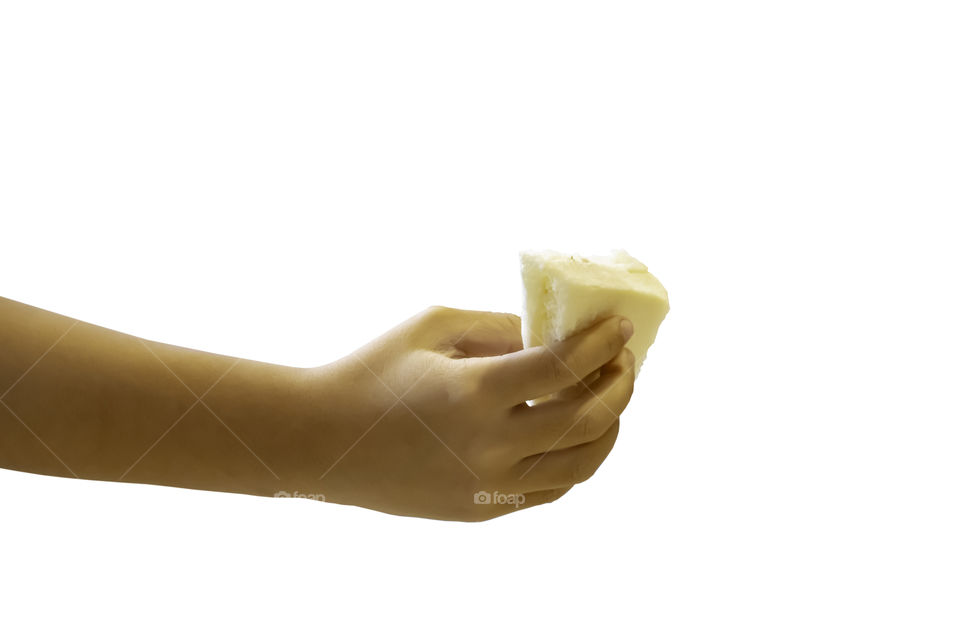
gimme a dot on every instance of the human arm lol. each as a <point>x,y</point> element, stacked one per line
<point>417,422</point>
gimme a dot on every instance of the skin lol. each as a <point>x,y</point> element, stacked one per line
<point>427,420</point>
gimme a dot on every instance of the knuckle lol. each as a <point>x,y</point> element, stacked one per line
<point>572,364</point>
<point>579,471</point>
<point>582,427</point>
<point>436,311</point>
<point>614,343</point>
<point>556,368</point>
<point>486,454</point>
<point>463,387</point>
<point>586,472</point>
<point>626,386</point>
<point>485,379</point>
<point>615,401</point>
<point>566,366</point>
<point>424,324</point>
<point>591,423</point>
<point>630,387</point>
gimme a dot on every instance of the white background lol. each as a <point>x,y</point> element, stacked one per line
<point>286,180</point>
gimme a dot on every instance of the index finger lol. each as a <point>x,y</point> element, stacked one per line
<point>542,370</point>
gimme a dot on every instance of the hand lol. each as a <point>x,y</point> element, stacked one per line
<point>430,418</point>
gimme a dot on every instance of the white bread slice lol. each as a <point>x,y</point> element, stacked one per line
<point>564,293</point>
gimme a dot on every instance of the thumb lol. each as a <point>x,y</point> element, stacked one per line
<point>466,333</point>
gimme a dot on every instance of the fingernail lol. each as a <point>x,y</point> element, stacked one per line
<point>626,328</point>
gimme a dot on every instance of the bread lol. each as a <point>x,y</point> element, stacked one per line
<point>564,293</point>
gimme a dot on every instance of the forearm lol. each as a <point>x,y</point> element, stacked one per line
<point>81,400</point>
